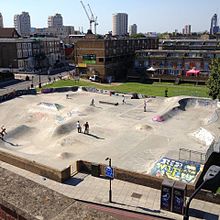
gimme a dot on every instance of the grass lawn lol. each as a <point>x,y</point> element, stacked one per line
<point>155,89</point>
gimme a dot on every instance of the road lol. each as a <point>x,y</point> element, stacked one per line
<point>21,83</point>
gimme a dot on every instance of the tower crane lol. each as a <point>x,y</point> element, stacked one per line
<point>94,18</point>
<point>91,19</point>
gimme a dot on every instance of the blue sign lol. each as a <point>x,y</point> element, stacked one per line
<point>109,172</point>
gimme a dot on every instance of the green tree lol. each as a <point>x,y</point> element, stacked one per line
<point>213,83</point>
<point>139,35</point>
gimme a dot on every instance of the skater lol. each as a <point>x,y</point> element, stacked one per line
<point>123,100</point>
<point>86,126</point>
<point>78,127</point>
<point>166,92</point>
<point>67,96</point>
<point>145,106</point>
<point>3,132</point>
<point>92,102</point>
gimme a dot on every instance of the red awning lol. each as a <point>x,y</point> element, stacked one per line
<point>192,72</point>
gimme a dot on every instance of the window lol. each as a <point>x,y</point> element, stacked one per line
<point>89,58</point>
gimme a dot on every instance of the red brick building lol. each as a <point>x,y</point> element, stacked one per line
<point>109,58</point>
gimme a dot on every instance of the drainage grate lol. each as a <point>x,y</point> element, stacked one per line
<point>136,195</point>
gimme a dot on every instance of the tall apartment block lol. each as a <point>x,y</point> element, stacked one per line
<point>187,30</point>
<point>214,24</point>
<point>1,21</point>
<point>55,21</point>
<point>22,24</point>
<point>132,29</point>
<point>120,24</point>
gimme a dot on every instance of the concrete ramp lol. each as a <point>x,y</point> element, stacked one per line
<point>20,131</point>
<point>195,102</point>
<point>65,155</point>
<point>212,118</point>
<point>203,136</point>
<point>51,106</point>
<point>176,105</point>
<point>64,129</point>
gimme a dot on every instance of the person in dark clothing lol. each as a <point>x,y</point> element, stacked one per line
<point>166,92</point>
<point>3,132</point>
<point>86,128</point>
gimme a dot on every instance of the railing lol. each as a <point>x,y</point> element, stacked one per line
<point>191,155</point>
<point>173,77</point>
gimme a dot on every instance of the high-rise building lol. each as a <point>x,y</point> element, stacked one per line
<point>120,24</point>
<point>214,24</point>
<point>132,29</point>
<point>22,24</point>
<point>55,21</point>
<point>1,21</point>
<point>187,30</point>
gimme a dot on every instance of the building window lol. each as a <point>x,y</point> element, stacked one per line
<point>89,58</point>
<point>18,45</point>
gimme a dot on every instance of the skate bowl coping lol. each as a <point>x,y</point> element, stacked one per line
<point>108,103</point>
<point>185,103</point>
<point>37,168</point>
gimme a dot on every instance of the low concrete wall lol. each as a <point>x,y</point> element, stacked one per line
<point>34,167</point>
<point>17,93</point>
<point>143,179</point>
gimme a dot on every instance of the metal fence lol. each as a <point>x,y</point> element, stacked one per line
<point>191,155</point>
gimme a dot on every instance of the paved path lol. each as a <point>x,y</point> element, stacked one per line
<point>126,195</point>
<point>20,83</point>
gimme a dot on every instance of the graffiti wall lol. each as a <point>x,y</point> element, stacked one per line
<point>184,171</point>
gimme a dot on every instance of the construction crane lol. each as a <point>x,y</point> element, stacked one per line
<point>91,19</point>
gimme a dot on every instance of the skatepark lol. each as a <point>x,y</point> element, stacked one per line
<point>42,128</point>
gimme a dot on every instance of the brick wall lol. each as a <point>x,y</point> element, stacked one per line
<point>144,179</point>
<point>34,167</point>
<point>8,214</point>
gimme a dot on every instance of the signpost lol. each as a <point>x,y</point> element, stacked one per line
<point>109,172</point>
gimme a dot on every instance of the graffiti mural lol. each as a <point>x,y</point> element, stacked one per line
<point>185,171</point>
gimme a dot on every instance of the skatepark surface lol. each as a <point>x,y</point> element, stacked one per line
<point>42,128</point>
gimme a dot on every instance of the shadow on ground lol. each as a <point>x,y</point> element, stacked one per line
<point>203,215</point>
<point>9,83</point>
<point>8,142</point>
<point>73,181</point>
<point>95,136</point>
<point>143,208</point>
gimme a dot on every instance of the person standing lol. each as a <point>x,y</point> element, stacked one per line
<point>145,106</point>
<point>78,127</point>
<point>123,100</point>
<point>86,126</point>
<point>166,92</point>
<point>92,102</point>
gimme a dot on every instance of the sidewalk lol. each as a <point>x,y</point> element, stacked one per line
<point>125,195</point>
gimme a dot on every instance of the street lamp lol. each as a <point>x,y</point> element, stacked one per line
<point>39,78</point>
<point>109,173</point>
<point>211,173</point>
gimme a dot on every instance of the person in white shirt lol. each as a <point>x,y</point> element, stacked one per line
<point>78,127</point>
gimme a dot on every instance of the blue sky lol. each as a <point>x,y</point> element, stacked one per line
<point>149,15</point>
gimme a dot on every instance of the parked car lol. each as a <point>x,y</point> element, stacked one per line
<point>95,78</point>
